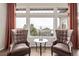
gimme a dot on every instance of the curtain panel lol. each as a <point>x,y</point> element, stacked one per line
<point>10,23</point>
<point>73,23</point>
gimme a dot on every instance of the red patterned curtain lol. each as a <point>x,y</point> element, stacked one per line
<point>74,23</point>
<point>10,23</point>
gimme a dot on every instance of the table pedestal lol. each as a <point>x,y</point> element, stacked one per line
<point>40,49</point>
<point>40,42</point>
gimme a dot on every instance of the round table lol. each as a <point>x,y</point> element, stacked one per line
<point>40,41</point>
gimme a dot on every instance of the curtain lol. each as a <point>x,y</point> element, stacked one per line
<point>73,23</point>
<point>10,23</point>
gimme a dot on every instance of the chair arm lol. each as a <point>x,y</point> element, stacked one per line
<point>27,43</point>
<point>69,44</point>
<point>68,40</point>
<point>11,46</point>
<point>54,43</point>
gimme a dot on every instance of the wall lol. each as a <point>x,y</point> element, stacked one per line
<point>3,11</point>
<point>42,5</point>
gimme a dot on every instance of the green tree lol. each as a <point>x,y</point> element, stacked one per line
<point>33,30</point>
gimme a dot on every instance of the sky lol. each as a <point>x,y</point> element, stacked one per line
<point>42,22</point>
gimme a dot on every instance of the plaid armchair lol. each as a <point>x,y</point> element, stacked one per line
<point>20,46</point>
<point>63,44</point>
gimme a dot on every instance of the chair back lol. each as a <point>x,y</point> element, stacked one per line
<point>61,35</point>
<point>20,35</point>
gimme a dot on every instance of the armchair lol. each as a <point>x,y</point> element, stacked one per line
<point>20,46</point>
<point>63,45</point>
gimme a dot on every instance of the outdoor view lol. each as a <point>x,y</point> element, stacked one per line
<point>20,21</point>
<point>41,26</point>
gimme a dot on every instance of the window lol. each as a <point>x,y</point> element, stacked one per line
<point>20,21</point>
<point>41,22</point>
<point>20,11</point>
<point>62,22</point>
<point>58,22</point>
<point>41,11</point>
<point>65,23</point>
<point>41,26</point>
<point>62,10</point>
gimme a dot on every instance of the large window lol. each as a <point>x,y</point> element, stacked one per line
<point>41,11</point>
<point>41,26</point>
<point>42,21</point>
<point>21,11</point>
<point>20,22</point>
<point>62,23</point>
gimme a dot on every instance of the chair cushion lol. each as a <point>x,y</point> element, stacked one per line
<point>20,36</point>
<point>20,46</point>
<point>61,35</point>
<point>62,47</point>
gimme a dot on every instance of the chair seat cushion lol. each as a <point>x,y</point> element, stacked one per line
<point>19,50</point>
<point>20,46</point>
<point>61,47</point>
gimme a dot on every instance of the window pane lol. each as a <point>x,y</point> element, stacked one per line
<point>41,26</point>
<point>62,23</point>
<point>65,23</point>
<point>20,11</point>
<point>58,22</point>
<point>62,10</point>
<point>41,11</point>
<point>20,22</point>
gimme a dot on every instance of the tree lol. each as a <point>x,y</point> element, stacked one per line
<point>33,30</point>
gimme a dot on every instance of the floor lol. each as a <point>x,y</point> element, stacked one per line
<point>46,52</point>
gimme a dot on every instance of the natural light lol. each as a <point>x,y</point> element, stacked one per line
<point>20,22</point>
<point>42,22</point>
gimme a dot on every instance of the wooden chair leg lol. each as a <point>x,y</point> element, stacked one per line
<point>29,51</point>
<point>29,54</point>
<point>36,46</point>
<point>51,51</point>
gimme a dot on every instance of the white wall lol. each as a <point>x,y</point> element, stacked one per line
<point>3,11</point>
<point>42,5</point>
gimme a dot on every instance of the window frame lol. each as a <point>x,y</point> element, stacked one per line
<point>28,15</point>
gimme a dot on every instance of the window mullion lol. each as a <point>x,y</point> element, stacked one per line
<point>55,18</point>
<point>28,20</point>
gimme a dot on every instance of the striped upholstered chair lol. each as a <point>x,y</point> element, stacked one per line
<point>63,45</point>
<point>20,46</point>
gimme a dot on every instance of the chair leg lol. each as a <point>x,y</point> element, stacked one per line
<point>51,52</point>
<point>29,51</point>
<point>71,54</point>
<point>29,54</point>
